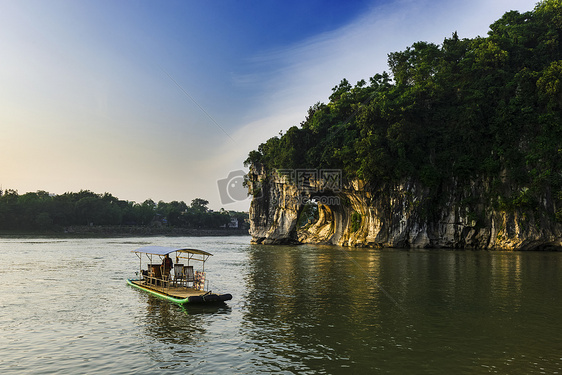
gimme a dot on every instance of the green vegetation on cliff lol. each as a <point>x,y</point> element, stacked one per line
<point>468,109</point>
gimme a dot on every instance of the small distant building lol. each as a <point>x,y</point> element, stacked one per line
<point>233,223</point>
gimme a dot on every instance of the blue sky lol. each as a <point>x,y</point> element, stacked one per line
<point>162,99</point>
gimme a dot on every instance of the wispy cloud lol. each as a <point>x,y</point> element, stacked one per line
<point>306,72</point>
<point>84,107</point>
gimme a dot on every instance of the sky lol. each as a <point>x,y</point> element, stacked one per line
<point>164,99</point>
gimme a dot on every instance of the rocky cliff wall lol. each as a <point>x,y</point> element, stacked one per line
<point>403,215</point>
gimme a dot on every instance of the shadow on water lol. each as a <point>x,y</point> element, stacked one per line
<point>168,321</point>
<point>216,308</point>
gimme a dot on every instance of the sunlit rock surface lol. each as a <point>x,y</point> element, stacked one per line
<point>398,216</point>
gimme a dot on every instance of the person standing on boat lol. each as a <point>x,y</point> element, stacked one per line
<point>167,264</point>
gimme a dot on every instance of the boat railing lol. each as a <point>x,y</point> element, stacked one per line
<point>156,276</point>
<point>179,276</point>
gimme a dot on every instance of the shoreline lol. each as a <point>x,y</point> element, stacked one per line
<point>128,231</point>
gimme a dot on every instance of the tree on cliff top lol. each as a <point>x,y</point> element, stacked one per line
<point>466,109</point>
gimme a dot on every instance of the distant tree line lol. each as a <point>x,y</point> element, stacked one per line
<point>488,107</point>
<point>43,211</point>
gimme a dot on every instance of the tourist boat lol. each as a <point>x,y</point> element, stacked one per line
<point>181,284</point>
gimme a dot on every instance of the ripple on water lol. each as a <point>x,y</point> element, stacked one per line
<point>65,308</point>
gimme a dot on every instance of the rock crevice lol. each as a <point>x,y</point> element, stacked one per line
<point>404,215</point>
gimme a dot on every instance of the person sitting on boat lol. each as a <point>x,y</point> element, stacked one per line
<point>167,264</point>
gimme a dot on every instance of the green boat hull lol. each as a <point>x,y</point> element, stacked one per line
<point>204,298</point>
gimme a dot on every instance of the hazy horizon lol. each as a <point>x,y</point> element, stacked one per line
<point>161,100</point>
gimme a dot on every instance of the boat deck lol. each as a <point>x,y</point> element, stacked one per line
<point>180,292</point>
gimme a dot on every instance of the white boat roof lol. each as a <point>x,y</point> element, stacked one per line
<point>163,250</point>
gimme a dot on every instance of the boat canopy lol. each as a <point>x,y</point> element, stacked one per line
<point>163,250</point>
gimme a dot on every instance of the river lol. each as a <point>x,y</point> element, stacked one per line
<point>65,308</point>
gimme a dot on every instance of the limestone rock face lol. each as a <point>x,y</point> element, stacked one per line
<point>274,212</point>
<point>401,216</point>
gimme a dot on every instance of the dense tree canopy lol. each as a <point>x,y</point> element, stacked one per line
<point>466,109</point>
<point>43,211</point>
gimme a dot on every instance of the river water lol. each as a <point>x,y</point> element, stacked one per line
<point>65,308</point>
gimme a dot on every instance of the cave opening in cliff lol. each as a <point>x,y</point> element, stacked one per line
<point>308,214</point>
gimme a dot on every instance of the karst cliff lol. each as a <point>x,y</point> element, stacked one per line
<point>396,216</point>
<point>457,146</point>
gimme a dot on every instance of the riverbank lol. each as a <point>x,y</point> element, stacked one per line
<point>129,231</point>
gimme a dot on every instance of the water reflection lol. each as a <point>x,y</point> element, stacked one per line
<point>174,335</point>
<point>326,308</point>
<point>305,309</point>
<point>178,324</point>
<point>306,303</point>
